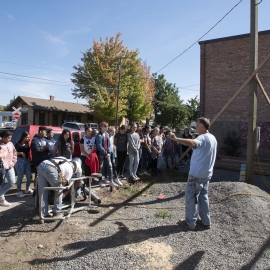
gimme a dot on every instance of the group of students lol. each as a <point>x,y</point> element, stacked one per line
<point>99,149</point>
<point>143,146</point>
<point>17,157</point>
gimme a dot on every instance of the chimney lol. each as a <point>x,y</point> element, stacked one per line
<point>51,97</point>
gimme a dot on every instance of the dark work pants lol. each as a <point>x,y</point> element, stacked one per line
<point>121,158</point>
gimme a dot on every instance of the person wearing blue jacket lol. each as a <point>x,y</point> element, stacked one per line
<point>104,152</point>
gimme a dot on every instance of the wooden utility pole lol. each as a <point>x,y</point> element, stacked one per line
<point>252,108</point>
<point>118,92</point>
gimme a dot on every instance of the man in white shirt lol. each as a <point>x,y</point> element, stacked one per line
<point>48,174</point>
<point>200,173</point>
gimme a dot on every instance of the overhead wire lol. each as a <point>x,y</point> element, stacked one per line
<point>62,83</point>
<point>25,65</point>
<point>201,36</point>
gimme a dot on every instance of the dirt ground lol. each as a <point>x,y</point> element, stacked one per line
<point>27,244</point>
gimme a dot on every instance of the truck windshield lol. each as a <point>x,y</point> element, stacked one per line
<point>17,134</point>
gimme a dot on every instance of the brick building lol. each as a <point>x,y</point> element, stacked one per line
<point>224,68</point>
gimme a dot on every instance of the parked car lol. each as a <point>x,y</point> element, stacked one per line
<point>9,124</point>
<point>76,136</point>
<point>73,125</point>
<point>92,125</point>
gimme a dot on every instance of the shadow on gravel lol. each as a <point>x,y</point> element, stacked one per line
<point>123,204</point>
<point>182,194</point>
<point>191,262</point>
<point>121,238</point>
<point>257,256</point>
<point>21,215</point>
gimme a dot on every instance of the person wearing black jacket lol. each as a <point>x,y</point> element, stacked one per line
<point>186,135</point>
<point>39,147</point>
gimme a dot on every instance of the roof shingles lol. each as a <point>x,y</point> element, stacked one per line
<point>54,105</point>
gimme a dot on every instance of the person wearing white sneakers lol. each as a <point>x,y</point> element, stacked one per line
<point>8,160</point>
<point>116,178</point>
<point>134,145</point>
<point>22,166</point>
<point>103,144</point>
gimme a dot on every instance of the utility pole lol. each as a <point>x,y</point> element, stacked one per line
<point>118,91</point>
<point>252,108</point>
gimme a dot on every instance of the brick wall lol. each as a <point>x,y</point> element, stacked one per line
<point>224,68</point>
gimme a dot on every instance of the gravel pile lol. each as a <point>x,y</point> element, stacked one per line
<point>135,238</point>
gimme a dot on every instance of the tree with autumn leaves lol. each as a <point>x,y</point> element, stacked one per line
<point>96,80</point>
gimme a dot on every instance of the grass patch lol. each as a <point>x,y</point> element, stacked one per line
<point>129,191</point>
<point>163,214</point>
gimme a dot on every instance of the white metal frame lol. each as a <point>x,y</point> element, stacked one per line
<point>72,203</point>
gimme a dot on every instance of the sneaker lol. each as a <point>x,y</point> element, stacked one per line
<point>113,184</point>
<point>205,226</point>
<point>30,191</point>
<point>133,178</point>
<point>20,194</point>
<point>184,224</point>
<point>122,177</point>
<point>58,215</point>
<point>5,203</point>
<point>136,177</point>
<point>118,182</point>
<point>79,198</point>
<point>101,184</point>
<point>107,181</point>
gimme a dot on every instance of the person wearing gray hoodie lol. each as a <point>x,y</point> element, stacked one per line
<point>134,145</point>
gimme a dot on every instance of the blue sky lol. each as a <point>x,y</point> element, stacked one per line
<point>47,37</point>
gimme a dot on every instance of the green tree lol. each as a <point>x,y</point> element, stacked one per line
<point>2,108</point>
<point>193,106</point>
<point>96,80</point>
<point>168,107</point>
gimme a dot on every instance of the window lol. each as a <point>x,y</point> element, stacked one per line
<point>90,118</point>
<point>41,118</point>
<point>24,118</point>
<point>55,119</point>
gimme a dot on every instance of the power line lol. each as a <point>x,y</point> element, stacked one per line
<point>68,83</point>
<point>32,77</point>
<point>30,65</point>
<point>201,36</point>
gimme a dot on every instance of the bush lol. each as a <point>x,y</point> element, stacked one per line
<point>231,144</point>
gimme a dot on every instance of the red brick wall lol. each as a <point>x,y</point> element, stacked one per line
<point>226,67</point>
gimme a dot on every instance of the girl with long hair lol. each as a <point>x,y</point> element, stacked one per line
<point>64,147</point>
<point>23,164</point>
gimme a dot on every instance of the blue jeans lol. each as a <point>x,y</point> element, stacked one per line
<point>146,159</point>
<point>201,188</point>
<point>48,175</point>
<point>108,163</point>
<point>23,168</point>
<point>10,175</point>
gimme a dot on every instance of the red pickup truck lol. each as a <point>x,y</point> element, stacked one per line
<point>76,135</point>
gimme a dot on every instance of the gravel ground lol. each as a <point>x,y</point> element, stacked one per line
<point>134,238</point>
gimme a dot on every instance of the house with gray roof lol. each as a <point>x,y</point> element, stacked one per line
<point>50,111</point>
